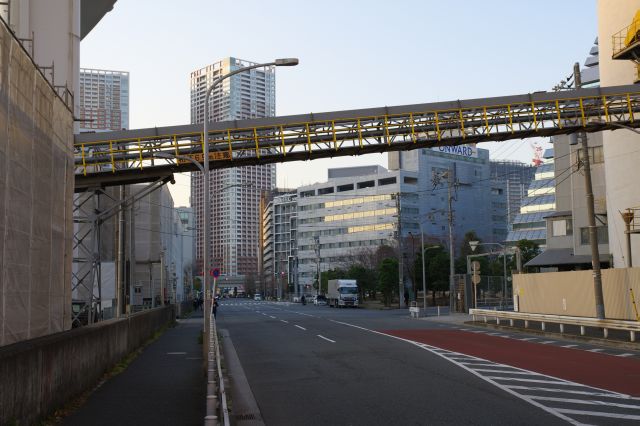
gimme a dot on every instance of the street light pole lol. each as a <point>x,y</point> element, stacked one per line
<point>205,148</point>
<point>205,227</point>
<point>423,249</point>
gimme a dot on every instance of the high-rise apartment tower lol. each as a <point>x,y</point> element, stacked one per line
<point>104,100</point>
<point>235,192</point>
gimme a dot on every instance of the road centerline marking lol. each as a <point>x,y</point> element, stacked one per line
<point>322,337</point>
<point>286,322</point>
<point>300,327</point>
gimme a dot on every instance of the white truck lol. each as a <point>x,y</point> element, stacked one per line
<point>342,293</point>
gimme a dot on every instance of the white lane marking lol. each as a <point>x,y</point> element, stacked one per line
<point>328,340</point>
<point>301,328</point>
<point>271,316</point>
<point>526,339</point>
<point>595,350</point>
<point>490,370</point>
<point>176,353</point>
<point>496,334</point>
<point>600,394</point>
<point>549,410</point>
<point>586,402</point>
<point>550,382</point>
<point>625,355</point>
<point>547,342</point>
<point>264,314</point>
<point>598,414</point>
<point>569,346</point>
<point>286,322</point>
<point>481,364</point>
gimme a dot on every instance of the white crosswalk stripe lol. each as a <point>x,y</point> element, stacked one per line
<point>575,403</point>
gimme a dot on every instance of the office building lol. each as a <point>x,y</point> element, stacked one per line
<point>103,100</point>
<point>509,181</point>
<point>344,220</point>
<point>235,193</point>
<point>279,244</point>
<point>539,202</point>
<point>470,189</point>
<point>568,245</point>
<point>620,147</point>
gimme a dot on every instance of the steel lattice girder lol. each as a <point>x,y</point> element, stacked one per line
<point>129,155</point>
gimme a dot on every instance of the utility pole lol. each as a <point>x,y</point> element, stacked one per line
<point>593,231</point>
<point>400,252</point>
<point>120,256</point>
<point>316,245</point>
<point>449,175</point>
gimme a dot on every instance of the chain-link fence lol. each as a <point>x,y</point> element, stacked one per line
<point>491,293</point>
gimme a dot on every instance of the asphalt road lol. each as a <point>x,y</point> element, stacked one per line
<point>323,366</point>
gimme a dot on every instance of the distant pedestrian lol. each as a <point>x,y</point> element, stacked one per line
<point>215,307</point>
<point>406,299</point>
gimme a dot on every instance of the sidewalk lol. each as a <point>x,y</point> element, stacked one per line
<point>164,385</point>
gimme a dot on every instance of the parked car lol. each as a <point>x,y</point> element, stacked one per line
<point>257,296</point>
<point>320,300</point>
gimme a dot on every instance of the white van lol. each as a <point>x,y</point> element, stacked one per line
<point>257,296</point>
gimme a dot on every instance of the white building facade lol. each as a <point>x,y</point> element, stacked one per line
<point>350,216</point>
<point>620,147</point>
<point>103,100</point>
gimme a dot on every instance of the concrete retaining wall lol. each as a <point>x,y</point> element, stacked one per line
<point>37,376</point>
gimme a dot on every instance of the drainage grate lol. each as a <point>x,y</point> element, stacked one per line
<point>240,417</point>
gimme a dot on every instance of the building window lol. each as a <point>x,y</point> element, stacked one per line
<point>603,236</point>
<point>562,227</point>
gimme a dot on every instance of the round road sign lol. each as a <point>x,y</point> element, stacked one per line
<point>475,279</point>
<point>215,272</point>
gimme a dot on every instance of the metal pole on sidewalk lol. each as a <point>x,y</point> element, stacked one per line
<point>593,230</point>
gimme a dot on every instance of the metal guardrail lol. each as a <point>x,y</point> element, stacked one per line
<point>583,322</point>
<point>633,216</point>
<point>216,394</point>
<point>626,37</point>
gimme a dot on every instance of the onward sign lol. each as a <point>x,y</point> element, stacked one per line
<point>463,150</point>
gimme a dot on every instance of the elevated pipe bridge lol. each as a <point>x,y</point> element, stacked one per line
<point>125,157</point>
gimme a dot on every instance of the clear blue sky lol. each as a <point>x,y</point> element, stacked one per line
<point>353,54</point>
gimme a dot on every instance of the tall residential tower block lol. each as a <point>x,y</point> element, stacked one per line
<point>234,193</point>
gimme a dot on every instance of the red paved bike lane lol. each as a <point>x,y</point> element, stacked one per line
<point>593,369</point>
